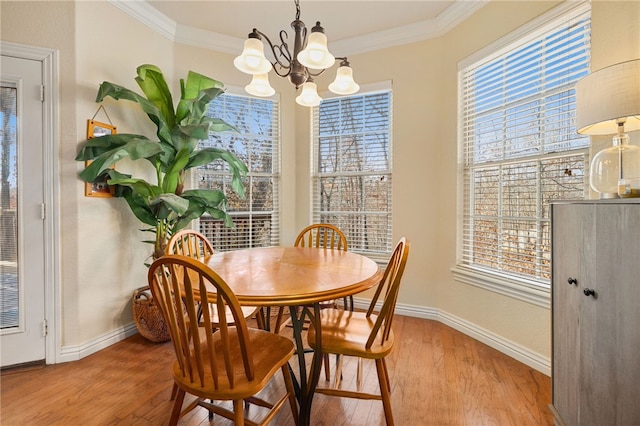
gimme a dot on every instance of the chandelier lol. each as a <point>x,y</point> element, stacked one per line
<point>310,58</point>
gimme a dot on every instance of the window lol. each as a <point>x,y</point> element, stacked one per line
<point>519,147</point>
<point>352,168</point>
<point>256,218</point>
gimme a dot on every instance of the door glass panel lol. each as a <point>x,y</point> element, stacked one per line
<point>9,295</point>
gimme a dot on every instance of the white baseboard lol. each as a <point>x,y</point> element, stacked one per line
<point>497,342</point>
<point>507,347</point>
<point>74,353</point>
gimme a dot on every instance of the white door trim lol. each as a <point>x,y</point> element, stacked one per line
<point>50,74</point>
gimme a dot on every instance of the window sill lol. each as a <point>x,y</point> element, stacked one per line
<point>524,290</point>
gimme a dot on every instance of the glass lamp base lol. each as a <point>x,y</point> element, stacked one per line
<point>615,171</point>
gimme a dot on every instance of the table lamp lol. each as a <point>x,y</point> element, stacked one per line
<point>608,102</point>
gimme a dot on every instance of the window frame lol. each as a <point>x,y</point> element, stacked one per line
<point>380,256</point>
<point>276,175</point>
<point>522,288</point>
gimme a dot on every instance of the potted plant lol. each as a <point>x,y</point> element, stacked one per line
<point>164,205</point>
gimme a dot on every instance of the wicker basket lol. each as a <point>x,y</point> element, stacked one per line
<point>147,316</point>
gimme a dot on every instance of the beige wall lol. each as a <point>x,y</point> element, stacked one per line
<point>102,256</point>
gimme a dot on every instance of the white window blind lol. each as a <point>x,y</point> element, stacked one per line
<point>520,149</point>
<point>257,217</point>
<point>352,169</point>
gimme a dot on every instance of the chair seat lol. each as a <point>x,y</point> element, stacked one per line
<point>347,332</point>
<point>270,353</point>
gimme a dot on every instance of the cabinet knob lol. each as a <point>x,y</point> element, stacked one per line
<point>589,292</point>
<point>572,281</point>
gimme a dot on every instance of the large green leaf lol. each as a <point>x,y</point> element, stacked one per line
<point>237,167</point>
<point>209,197</point>
<point>154,86</point>
<point>191,109</point>
<point>172,175</point>
<point>165,204</point>
<point>97,146</point>
<point>218,125</point>
<point>134,148</point>
<point>118,92</point>
<point>139,186</point>
<point>139,207</point>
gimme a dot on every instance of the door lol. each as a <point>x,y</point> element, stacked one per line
<point>22,245</point>
<point>610,319</point>
<point>572,248</point>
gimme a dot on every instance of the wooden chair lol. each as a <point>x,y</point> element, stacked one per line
<point>193,244</point>
<point>190,243</point>
<point>365,335</point>
<point>321,235</point>
<point>233,363</point>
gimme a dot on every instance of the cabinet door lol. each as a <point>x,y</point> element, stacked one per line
<point>610,322</point>
<point>573,233</point>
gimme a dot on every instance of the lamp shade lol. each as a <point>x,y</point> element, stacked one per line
<point>316,55</point>
<point>260,86</point>
<point>252,60</point>
<point>309,95</point>
<point>344,84</point>
<point>607,96</point>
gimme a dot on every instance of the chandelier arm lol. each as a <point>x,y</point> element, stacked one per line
<point>316,74</point>
<point>280,52</point>
<point>281,70</point>
<point>286,53</point>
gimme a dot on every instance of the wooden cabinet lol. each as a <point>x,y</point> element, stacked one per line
<point>596,312</point>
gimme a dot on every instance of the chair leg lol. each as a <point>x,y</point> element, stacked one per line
<point>383,382</point>
<point>238,410</point>
<point>336,381</point>
<point>177,407</point>
<point>386,373</point>
<point>174,391</point>
<point>359,375</point>
<point>260,319</point>
<point>279,319</point>
<point>327,367</point>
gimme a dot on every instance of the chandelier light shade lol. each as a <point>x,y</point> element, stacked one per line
<point>344,83</point>
<point>252,60</point>
<point>309,58</point>
<point>316,55</point>
<point>260,86</point>
<point>608,102</point>
<point>309,96</point>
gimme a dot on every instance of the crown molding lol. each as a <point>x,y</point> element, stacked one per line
<point>419,31</point>
<point>208,39</point>
<point>148,15</point>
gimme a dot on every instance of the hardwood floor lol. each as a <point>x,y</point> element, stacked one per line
<point>439,376</point>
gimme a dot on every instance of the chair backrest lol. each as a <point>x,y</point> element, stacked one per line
<point>322,235</point>
<point>176,284</point>
<point>189,242</point>
<point>389,285</point>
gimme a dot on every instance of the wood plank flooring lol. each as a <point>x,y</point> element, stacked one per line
<point>439,377</point>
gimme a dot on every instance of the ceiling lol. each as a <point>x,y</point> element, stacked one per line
<point>340,19</point>
<point>351,26</point>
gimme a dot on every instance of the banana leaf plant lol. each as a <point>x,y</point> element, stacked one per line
<point>164,205</point>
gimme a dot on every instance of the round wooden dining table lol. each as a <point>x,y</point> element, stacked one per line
<point>301,278</point>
